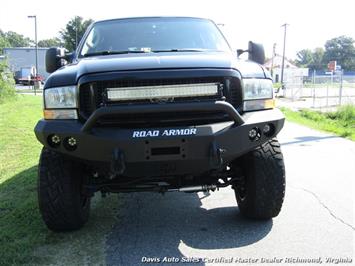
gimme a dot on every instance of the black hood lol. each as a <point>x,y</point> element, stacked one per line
<point>70,74</point>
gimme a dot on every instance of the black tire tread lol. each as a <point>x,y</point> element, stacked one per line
<point>59,192</point>
<point>265,173</point>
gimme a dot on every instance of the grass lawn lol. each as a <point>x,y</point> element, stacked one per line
<point>341,122</point>
<point>24,239</point>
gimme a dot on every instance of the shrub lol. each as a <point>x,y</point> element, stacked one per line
<point>312,115</point>
<point>7,84</point>
<point>346,113</point>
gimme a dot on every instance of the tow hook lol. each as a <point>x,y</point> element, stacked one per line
<point>216,159</point>
<point>117,164</point>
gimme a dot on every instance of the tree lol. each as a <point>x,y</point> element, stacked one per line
<point>304,58</point>
<point>342,50</point>
<point>318,59</point>
<point>74,31</point>
<point>53,42</point>
<point>311,59</point>
<point>17,40</point>
<point>3,42</point>
<point>13,39</point>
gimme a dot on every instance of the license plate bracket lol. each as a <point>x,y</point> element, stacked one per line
<point>167,149</point>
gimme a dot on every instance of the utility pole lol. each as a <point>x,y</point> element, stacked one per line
<point>36,49</point>
<point>283,57</point>
<point>272,60</point>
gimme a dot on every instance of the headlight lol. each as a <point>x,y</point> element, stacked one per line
<point>60,103</point>
<point>60,98</point>
<point>258,94</point>
<point>257,89</point>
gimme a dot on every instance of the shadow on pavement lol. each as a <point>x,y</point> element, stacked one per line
<point>153,226</point>
<point>308,139</point>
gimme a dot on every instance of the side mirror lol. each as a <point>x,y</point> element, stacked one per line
<point>240,51</point>
<point>56,58</point>
<point>256,52</point>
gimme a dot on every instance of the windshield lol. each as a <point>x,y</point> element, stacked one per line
<point>153,35</point>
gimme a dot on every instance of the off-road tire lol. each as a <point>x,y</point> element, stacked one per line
<point>262,191</point>
<point>61,202</point>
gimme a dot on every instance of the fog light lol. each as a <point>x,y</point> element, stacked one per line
<point>72,141</point>
<point>269,130</point>
<point>254,134</point>
<point>266,129</point>
<point>53,140</point>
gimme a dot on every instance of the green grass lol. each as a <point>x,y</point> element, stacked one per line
<point>340,122</point>
<point>20,223</point>
<point>24,239</point>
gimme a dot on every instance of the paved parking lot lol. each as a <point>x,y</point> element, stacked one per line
<point>316,222</point>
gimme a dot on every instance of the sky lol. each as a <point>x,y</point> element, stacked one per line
<point>311,22</point>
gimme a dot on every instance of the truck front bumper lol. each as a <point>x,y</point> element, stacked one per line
<point>190,150</point>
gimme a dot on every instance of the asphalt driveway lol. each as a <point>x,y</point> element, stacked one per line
<point>316,222</point>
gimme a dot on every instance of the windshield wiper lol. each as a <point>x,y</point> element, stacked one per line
<point>179,50</point>
<point>108,52</point>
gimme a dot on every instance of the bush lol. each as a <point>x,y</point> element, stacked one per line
<point>7,83</point>
<point>346,113</point>
<point>312,115</point>
<point>340,122</point>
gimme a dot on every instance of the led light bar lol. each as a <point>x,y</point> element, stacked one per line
<point>161,92</point>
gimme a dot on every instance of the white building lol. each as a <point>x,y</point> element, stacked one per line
<point>293,75</point>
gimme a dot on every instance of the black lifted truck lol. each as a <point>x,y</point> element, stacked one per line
<point>157,104</point>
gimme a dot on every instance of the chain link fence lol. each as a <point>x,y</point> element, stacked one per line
<point>321,91</point>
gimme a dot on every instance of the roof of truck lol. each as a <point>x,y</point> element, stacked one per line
<point>151,17</point>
